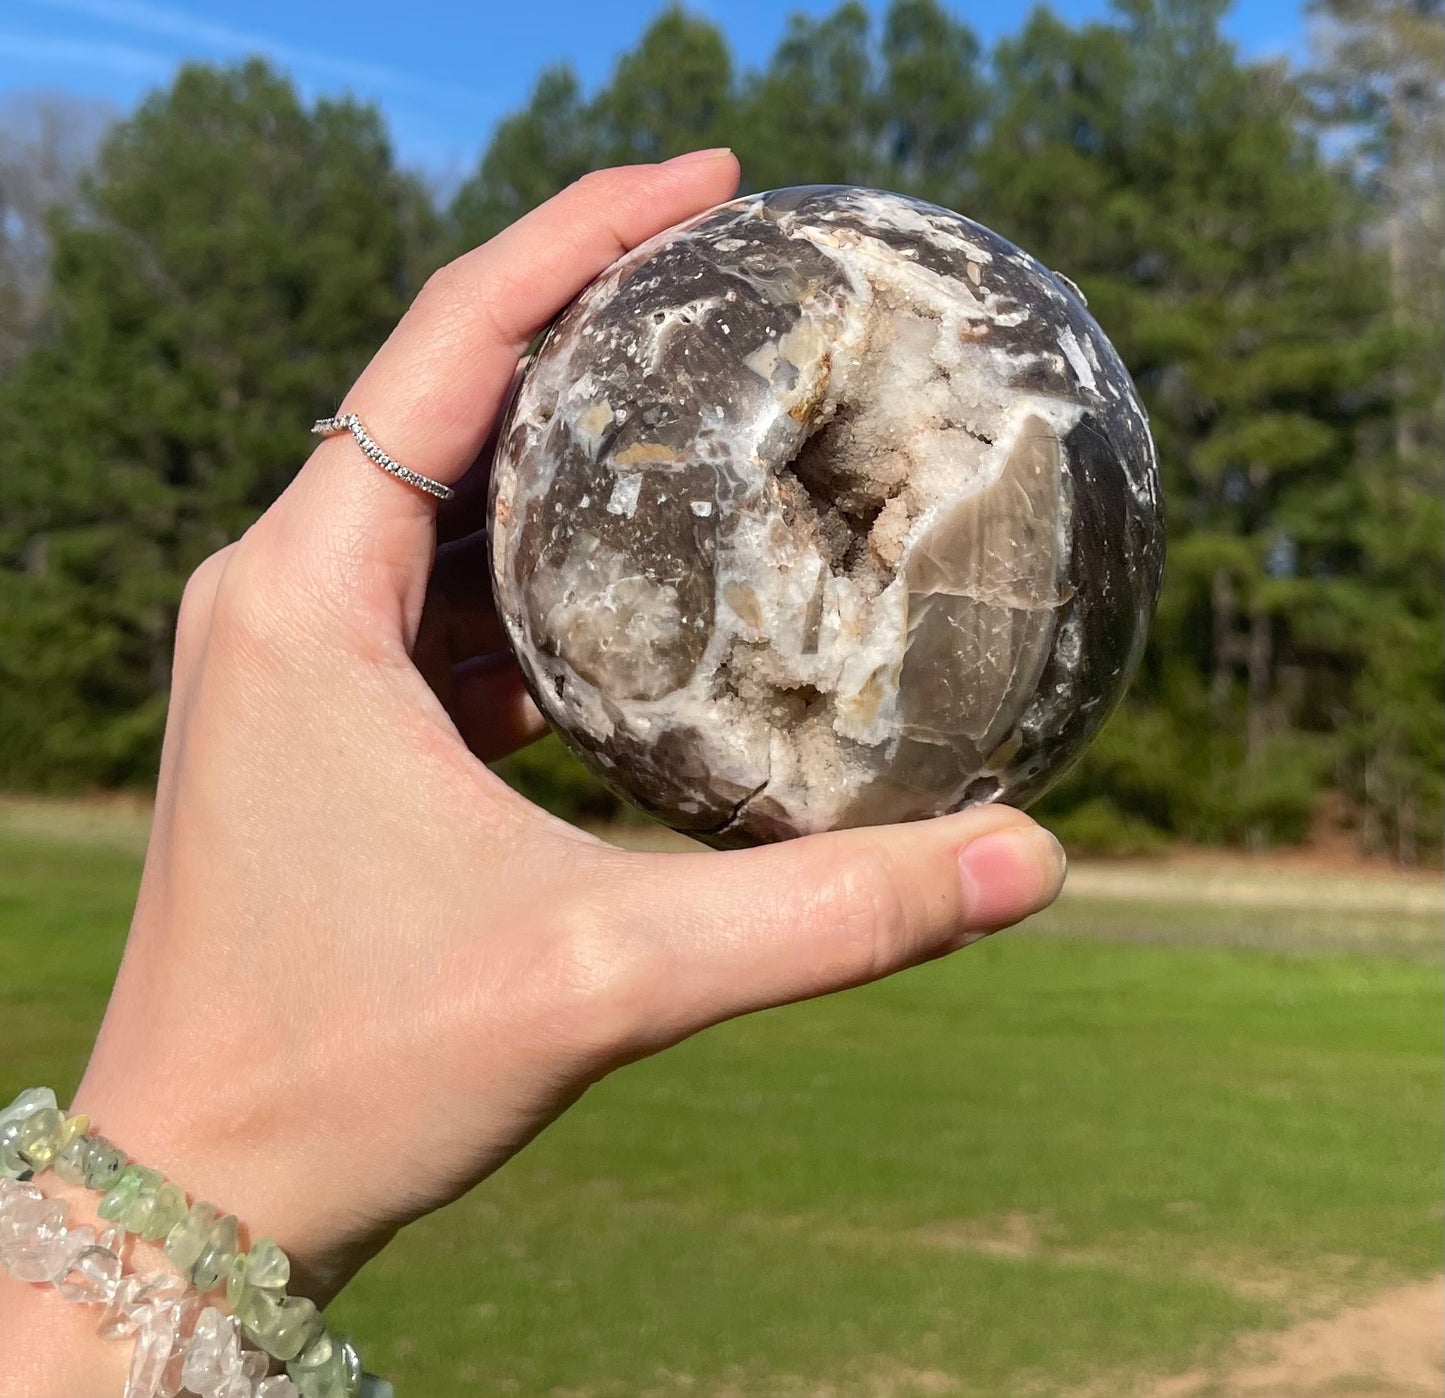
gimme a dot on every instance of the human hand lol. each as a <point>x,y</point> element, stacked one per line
<point>362,971</point>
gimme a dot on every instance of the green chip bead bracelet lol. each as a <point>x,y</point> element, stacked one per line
<point>197,1318</point>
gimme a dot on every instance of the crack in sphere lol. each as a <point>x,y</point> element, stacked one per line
<point>827,507</point>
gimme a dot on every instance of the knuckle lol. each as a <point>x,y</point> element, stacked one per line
<point>245,610</point>
<point>868,908</point>
<point>600,980</point>
<point>458,304</point>
<point>193,620</point>
<point>596,182</point>
<point>443,287</point>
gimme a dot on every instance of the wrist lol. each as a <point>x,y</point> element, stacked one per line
<point>243,1160</point>
<point>123,1237</point>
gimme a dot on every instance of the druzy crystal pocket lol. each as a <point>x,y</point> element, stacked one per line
<point>828,507</point>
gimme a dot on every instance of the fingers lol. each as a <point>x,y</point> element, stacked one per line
<point>431,394</point>
<point>466,512</point>
<point>462,652</point>
<point>460,594</point>
<point>491,707</point>
<point>765,927</point>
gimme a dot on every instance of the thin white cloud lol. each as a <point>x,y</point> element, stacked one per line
<point>80,53</point>
<point>160,21</point>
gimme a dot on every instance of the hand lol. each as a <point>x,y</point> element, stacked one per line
<point>362,971</point>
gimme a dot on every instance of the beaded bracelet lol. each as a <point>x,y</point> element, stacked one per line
<point>182,1344</point>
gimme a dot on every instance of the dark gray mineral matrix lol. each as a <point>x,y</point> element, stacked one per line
<point>828,507</point>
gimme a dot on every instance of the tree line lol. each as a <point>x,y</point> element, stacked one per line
<point>1263,246</point>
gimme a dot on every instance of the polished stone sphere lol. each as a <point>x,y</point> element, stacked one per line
<point>825,508</point>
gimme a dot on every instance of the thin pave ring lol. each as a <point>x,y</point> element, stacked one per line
<point>349,422</point>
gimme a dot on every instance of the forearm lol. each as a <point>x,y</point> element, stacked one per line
<point>236,1149</point>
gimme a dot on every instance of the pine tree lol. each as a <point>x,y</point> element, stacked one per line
<point>934,100</point>
<point>1216,244</point>
<point>673,93</point>
<point>534,153</point>
<point>231,263</point>
<point>1379,87</point>
<point>1264,250</point>
<point>46,143</point>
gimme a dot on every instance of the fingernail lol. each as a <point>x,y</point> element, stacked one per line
<point>714,153</point>
<point>1009,874</point>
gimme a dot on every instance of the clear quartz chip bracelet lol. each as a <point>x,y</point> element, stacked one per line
<point>216,1325</point>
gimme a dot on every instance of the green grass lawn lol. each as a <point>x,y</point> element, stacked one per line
<point>1097,1149</point>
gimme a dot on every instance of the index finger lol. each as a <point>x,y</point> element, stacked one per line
<point>432,392</point>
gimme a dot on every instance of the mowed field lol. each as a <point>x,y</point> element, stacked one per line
<point>1180,1137</point>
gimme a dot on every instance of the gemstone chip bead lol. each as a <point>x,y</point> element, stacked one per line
<point>69,1162</point>
<point>282,1326</point>
<point>122,1194</point>
<point>236,1281</point>
<point>214,1262</point>
<point>255,1364</point>
<point>141,1208</point>
<point>45,1254</point>
<point>155,1340</point>
<point>211,1353</point>
<point>104,1164</point>
<point>187,1240</point>
<point>267,1266</point>
<point>167,1210</point>
<point>11,1165</point>
<point>135,1296</point>
<point>32,1100</point>
<point>93,1277</point>
<point>73,1127</point>
<point>21,1205</point>
<point>29,1222</point>
<point>12,1191</point>
<point>327,1368</point>
<point>35,1140</point>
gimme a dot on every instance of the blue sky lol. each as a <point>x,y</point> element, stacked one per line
<point>443,71</point>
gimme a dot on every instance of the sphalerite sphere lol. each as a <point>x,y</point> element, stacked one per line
<point>827,507</point>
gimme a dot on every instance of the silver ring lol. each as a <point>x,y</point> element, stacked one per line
<point>349,422</point>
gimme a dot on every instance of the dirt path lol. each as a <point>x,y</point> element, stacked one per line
<point>1301,880</point>
<point>1282,880</point>
<point>1242,882</point>
<point>1392,1347</point>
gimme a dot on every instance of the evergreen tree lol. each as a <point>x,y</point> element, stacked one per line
<point>1215,243</point>
<point>230,265</point>
<point>1264,250</point>
<point>534,153</point>
<point>812,116</point>
<point>46,144</point>
<point>673,93</point>
<point>1380,89</point>
<point>934,100</point>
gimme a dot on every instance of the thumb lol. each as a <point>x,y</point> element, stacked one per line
<point>764,927</point>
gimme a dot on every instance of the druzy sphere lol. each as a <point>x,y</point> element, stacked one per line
<point>825,508</point>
